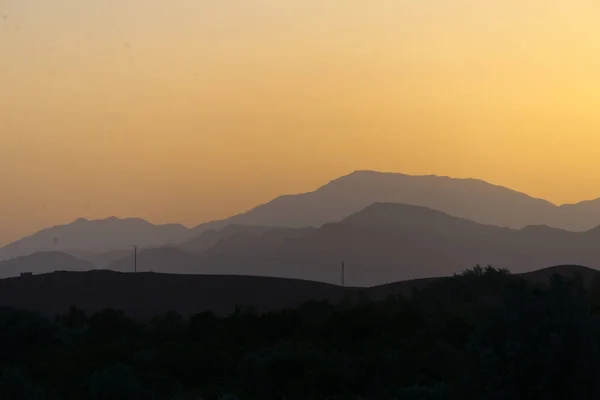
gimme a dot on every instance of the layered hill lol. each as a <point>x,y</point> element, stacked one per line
<point>212,237</point>
<point>391,242</point>
<point>471,199</point>
<point>467,198</point>
<point>382,243</point>
<point>97,236</point>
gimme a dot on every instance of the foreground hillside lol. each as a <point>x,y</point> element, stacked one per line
<point>144,295</point>
<point>482,335</point>
<point>148,294</point>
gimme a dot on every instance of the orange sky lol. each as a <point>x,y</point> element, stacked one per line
<point>190,110</point>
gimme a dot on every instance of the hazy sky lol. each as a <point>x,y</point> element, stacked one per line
<point>189,110</point>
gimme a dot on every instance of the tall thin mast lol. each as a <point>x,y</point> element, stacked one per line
<point>135,258</point>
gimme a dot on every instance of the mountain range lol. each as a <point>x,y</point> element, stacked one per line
<point>96,237</point>
<point>385,242</point>
<point>389,242</point>
<point>314,215</point>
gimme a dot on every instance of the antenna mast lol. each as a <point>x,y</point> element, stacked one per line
<point>135,258</point>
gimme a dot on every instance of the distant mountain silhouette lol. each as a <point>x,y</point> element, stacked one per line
<point>97,236</point>
<point>211,237</point>
<point>391,242</point>
<point>467,198</point>
<point>42,263</point>
<point>101,259</point>
<point>471,199</point>
<point>145,295</point>
<point>415,218</point>
<point>383,243</point>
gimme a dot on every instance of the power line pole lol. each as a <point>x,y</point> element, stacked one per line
<point>343,274</point>
<point>135,258</point>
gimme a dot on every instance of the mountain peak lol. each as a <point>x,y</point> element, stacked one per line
<point>388,212</point>
<point>382,215</point>
<point>472,199</point>
<point>364,174</point>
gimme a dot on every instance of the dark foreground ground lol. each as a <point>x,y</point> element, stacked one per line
<point>481,335</point>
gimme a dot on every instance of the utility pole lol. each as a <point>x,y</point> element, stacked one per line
<point>135,258</point>
<point>343,275</point>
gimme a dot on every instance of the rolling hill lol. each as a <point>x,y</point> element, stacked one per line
<point>145,295</point>
<point>148,294</point>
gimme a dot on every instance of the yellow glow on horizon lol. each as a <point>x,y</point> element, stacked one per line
<point>191,110</point>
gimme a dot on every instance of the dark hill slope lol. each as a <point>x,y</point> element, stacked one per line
<point>148,294</point>
<point>144,295</point>
<point>570,271</point>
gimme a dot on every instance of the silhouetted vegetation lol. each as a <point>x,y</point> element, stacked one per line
<point>483,334</point>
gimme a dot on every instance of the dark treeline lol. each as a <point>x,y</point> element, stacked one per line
<point>483,334</point>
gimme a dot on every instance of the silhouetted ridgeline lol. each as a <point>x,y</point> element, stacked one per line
<point>99,236</point>
<point>381,244</point>
<point>147,294</point>
<point>472,199</point>
<point>482,335</point>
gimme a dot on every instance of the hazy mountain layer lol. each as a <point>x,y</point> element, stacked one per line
<point>96,236</point>
<point>472,199</point>
<point>386,243</point>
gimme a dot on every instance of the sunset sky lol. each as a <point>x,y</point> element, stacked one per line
<point>192,110</point>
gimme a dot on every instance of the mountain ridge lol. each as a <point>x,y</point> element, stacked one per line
<point>383,243</point>
<point>327,210</point>
<point>388,242</point>
<point>470,198</point>
<point>107,234</point>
